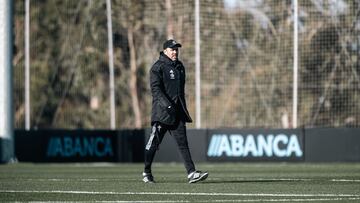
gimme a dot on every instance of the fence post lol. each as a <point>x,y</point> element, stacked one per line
<point>27,64</point>
<point>111,66</point>
<point>197,66</point>
<point>6,110</point>
<point>295,71</point>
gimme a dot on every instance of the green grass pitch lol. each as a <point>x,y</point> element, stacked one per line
<point>227,182</point>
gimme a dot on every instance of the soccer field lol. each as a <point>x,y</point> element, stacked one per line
<point>227,182</point>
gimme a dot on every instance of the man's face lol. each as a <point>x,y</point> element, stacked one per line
<point>172,53</point>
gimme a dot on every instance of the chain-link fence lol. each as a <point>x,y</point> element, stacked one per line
<point>330,63</point>
<point>246,51</point>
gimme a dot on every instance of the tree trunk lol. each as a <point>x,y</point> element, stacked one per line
<point>170,23</point>
<point>133,80</point>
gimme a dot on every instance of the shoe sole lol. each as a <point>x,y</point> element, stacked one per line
<point>146,180</point>
<point>201,178</point>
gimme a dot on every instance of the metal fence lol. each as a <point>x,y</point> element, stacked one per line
<point>248,75</point>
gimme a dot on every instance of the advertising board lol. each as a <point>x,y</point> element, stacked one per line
<point>255,145</point>
<point>66,146</point>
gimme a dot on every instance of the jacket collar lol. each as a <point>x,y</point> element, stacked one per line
<point>166,59</point>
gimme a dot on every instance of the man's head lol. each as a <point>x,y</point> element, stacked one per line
<point>171,49</point>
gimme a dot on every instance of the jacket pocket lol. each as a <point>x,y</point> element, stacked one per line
<point>165,114</point>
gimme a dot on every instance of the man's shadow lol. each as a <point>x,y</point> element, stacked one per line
<point>216,181</point>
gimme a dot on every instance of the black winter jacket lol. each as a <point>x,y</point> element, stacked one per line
<point>167,83</point>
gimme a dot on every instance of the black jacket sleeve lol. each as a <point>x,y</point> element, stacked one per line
<point>157,86</point>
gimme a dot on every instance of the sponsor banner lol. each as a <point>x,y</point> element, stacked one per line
<point>79,146</point>
<point>332,144</point>
<point>255,145</point>
<point>66,146</point>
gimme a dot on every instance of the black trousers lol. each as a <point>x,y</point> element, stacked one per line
<point>177,131</point>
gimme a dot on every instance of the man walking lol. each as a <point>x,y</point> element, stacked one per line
<point>169,111</point>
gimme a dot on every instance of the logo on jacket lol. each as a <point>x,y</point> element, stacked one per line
<point>172,75</point>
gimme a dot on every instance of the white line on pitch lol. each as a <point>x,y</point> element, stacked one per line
<point>288,200</point>
<point>182,193</point>
<point>239,179</point>
<point>62,179</point>
<point>218,200</point>
<point>292,179</point>
<point>344,180</point>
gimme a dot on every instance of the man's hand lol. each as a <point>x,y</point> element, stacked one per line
<point>170,110</point>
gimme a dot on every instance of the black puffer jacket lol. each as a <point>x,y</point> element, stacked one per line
<point>167,83</point>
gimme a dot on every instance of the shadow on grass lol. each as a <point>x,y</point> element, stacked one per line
<point>214,181</point>
<point>222,181</point>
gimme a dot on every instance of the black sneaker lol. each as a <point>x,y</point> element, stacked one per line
<point>148,178</point>
<point>197,176</point>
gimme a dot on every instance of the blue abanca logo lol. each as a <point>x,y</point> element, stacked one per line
<point>68,146</point>
<point>236,145</point>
